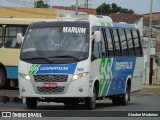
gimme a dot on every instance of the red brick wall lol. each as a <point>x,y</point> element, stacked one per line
<point>158,46</point>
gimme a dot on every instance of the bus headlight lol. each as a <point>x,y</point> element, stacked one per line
<point>77,76</point>
<point>25,76</point>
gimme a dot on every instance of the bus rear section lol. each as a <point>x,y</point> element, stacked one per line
<point>10,48</point>
<point>9,52</point>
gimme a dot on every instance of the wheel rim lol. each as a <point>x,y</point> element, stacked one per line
<point>126,96</point>
<point>93,99</point>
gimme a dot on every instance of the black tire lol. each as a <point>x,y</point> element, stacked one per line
<point>4,83</point>
<point>126,97</point>
<point>122,99</point>
<point>116,100</point>
<point>91,102</point>
<point>31,103</point>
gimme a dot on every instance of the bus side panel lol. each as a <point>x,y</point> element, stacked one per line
<point>122,68</point>
<point>101,70</point>
<point>12,72</point>
<point>112,74</point>
<point>137,80</point>
<point>9,58</point>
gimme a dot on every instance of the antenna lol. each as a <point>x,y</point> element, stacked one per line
<point>87,4</point>
<point>76,7</point>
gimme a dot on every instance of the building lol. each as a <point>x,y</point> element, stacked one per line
<point>155,34</point>
<point>128,18</point>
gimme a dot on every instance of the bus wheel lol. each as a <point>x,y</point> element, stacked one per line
<point>31,103</point>
<point>91,102</point>
<point>115,100</point>
<point>4,83</point>
<point>125,97</point>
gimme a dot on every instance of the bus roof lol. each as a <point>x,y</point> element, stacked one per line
<point>123,25</point>
<point>97,20</point>
<point>92,19</point>
<point>20,21</point>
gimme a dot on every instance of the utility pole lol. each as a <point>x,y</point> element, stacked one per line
<point>149,43</point>
<point>76,7</point>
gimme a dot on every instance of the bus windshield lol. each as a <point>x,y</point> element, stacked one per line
<point>56,43</point>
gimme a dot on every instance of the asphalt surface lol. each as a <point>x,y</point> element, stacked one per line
<point>148,99</point>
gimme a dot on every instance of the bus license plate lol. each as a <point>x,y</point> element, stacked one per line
<point>50,85</point>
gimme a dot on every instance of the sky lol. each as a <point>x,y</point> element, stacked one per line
<point>139,6</point>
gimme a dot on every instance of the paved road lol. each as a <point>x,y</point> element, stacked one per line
<point>146,100</point>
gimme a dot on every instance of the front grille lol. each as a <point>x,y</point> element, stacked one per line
<point>50,78</point>
<point>50,90</point>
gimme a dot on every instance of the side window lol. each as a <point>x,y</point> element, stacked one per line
<point>137,42</point>
<point>95,51</point>
<point>110,42</point>
<point>10,36</point>
<point>95,46</point>
<point>103,42</point>
<point>130,43</point>
<point>116,43</point>
<point>1,36</point>
<point>124,44</point>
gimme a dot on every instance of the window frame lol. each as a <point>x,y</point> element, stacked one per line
<point>1,45</point>
<point>24,29</point>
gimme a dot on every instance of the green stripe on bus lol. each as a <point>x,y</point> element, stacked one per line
<point>102,66</point>
<point>34,69</point>
<point>108,72</point>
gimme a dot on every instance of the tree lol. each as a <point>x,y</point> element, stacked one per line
<point>40,4</point>
<point>114,6</point>
<point>105,9</point>
<point>130,11</point>
<point>124,10</point>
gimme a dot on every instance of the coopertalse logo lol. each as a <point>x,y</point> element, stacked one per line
<point>34,68</point>
<point>74,30</point>
<point>51,68</point>
<point>124,65</point>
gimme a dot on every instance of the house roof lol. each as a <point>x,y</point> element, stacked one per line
<point>72,8</point>
<point>123,17</point>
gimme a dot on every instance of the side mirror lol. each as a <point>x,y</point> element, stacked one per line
<point>19,38</point>
<point>97,36</point>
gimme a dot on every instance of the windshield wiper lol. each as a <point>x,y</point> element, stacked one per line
<point>40,58</point>
<point>66,56</point>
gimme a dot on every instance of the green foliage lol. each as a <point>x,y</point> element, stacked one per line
<point>105,9</point>
<point>41,4</point>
